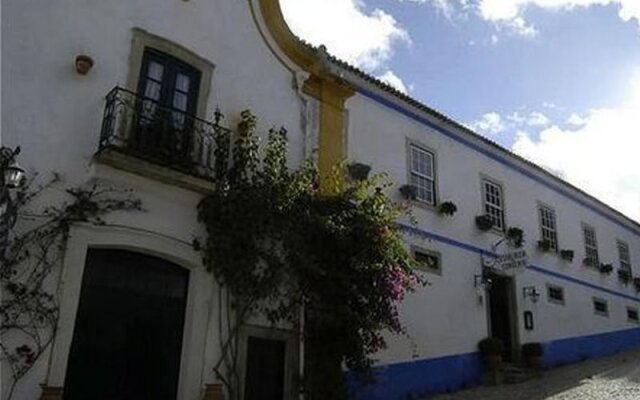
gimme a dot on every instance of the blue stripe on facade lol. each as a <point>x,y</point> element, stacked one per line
<point>417,379</point>
<point>565,351</point>
<point>474,249</point>
<point>491,155</point>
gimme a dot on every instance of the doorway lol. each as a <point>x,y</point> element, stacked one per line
<point>501,310</point>
<point>127,340</point>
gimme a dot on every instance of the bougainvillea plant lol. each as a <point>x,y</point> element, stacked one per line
<point>329,259</point>
<point>29,308</point>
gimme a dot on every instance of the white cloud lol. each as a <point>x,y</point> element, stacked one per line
<point>576,120</point>
<point>366,39</point>
<point>489,124</point>
<point>511,12</point>
<point>392,79</point>
<point>532,119</point>
<point>598,155</point>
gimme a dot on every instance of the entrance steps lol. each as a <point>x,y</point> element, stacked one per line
<point>513,373</point>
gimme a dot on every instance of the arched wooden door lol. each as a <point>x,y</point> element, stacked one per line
<point>127,340</point>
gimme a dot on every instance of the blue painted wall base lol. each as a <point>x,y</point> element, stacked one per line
<point>417,379</point>
<point>570,350</point>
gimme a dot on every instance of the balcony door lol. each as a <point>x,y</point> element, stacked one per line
<point>168,90</point>
<point>127,341</point>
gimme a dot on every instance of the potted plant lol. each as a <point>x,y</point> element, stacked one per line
<point>636,283</point>
<point>515,236</point>
<point>358,171</point>
<point>566,255</point>
<point>492,350</point>
<point>484,223</point>
<point>532,354</point>
<point>544,245</point>
<point>447,208</point>
<point>624,275</point>
<point>409,192</point>
<point>606,268</point>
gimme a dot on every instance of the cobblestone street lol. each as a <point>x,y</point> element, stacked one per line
<point>612,378</point>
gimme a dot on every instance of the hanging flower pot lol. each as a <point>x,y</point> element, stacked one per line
<point>409,192</point>
<point>447,208</point>
<point>358,171</point>
<point>544,245</point>
<point>624,275</point>
<point>484,223</point>
<point>567,255</point>
<point>606,268</point>
<point>83,64</point>
<point>515,236</point>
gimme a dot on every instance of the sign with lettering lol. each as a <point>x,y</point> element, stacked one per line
<point>509,263</point>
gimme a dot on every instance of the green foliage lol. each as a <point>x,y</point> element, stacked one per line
<point>279,244</point>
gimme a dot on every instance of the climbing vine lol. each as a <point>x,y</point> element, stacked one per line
<point>29,308</point>
<point>330,260</point>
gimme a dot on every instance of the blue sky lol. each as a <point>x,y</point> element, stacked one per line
<point>556,81</point>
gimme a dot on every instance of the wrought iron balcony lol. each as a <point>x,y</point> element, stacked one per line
<point>143,128</point>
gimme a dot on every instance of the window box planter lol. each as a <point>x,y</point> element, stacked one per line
<point>567,255</point>
<point>515,236</point>
<point>358,171</point>
<point>409,192</point>
<point>606,268</point>
<point>544,246</point>
<point>484,223</point>
<point>624,276</point>
<point>447,208</point>
<point>532,353</point>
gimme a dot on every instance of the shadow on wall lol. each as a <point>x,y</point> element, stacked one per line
<point>421,378</point>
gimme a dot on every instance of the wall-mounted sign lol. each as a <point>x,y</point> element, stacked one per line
<point>509,263</point>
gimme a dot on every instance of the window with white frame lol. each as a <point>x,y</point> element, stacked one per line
<point>555,294</point>
<point>590,246</point>
<point>632,315</point>
<point>600,307</point>
<point>623,255</point>
<point>493,203</point>
<point>423,174</point>
<point>548,227</point>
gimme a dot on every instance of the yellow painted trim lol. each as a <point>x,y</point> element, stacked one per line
<point>331,91</point>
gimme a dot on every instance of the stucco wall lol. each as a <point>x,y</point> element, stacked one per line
<point>446,318</point>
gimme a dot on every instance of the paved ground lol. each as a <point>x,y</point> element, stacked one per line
<point>612,378</point>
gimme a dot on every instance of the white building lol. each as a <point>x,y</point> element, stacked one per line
<point>194,56</point>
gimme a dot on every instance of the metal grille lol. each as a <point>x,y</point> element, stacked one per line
<point>142,127</point>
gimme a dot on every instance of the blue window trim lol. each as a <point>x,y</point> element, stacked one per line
<point>535,268</point>
<point>380,99</point>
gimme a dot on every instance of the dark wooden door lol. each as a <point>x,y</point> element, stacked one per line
<point>500,312</point>
<point>265,369</point>
<point>127,341</point>
<point>168,90</point>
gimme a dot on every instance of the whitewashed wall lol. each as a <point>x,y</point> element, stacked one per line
<point>55,115</point>
<point>446,317</point>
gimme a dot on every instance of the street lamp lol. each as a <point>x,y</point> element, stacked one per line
<point>11,177</point>
<point>12,174</point>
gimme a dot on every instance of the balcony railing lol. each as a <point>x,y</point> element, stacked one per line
<point>144,128</point>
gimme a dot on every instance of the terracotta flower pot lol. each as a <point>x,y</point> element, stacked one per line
<point>84,63</point>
